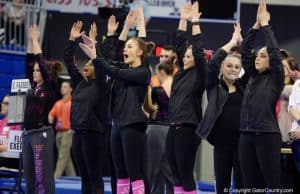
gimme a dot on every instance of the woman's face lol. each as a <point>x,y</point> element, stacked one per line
<point>4,106</point>
<point>188,59</point>
<point>231,68</point>
<point>89,70</point>
<point>131,52</point>
<point>286,67</point>
<point>262,61</point>
<point>37,76</point>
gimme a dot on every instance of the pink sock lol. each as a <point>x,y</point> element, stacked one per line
<point>138,187</point>
<point>178,190</point>
<point>123,186</point>
<point>190,192</point>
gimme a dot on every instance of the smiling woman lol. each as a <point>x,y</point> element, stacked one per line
<point>231,68</point>
<point>185,101</point>
<point>225,95</point>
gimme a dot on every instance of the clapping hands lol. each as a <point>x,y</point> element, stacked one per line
<point>89,42</point>
<point>236,36</point>
<point>88,47</point>
<point>263,16</point>
<point>33,32</point>
<point>91,39</point>
<point>135,17</point>
<point>190,11</point>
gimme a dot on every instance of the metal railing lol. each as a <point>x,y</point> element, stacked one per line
<point>15,17</point>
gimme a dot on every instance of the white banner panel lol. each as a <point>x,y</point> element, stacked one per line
<point>77,6</point>
<point>152,8</point>
<point>156,8</point>
<point>14,141</point>
<point>165,8</point>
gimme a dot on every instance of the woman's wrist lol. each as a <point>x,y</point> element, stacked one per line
<point>195,20</point>
<point>35,40</point>
<point>126,27</point>
<point>183,19</point>
<point>110,33</point>
<point>233,42</point>
<point>256,25</point>
<point>264,24</point>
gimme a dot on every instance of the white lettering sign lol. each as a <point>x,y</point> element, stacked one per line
<point>14,143</point>
<point>20,85</point>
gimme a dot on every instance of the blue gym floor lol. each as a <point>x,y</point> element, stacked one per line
<point>71,185</point>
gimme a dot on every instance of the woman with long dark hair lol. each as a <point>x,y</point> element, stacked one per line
<point>284,118</point>
<point>38,137</point>
<point>185,110</point>
<point>260,139</point>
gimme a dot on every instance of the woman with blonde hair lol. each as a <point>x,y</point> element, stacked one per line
<point>225,97</point>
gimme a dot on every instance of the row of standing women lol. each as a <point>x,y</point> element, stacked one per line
<point>240,120</point>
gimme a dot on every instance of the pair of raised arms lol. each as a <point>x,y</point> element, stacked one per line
<point>135,17</point>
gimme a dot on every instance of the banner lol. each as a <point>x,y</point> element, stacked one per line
<point>152,8</point>
<point>155,8</point>
<point>14,142</point>
<point>20,85</point>
<point>77,6</point>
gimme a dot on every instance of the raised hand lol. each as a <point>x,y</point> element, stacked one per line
<point>76,30</point>
<point>93,32</point>
<point>140,18</point>
<point>236,36</point>
<point>264,15</point>
<point>112,25</point>
<point>33,40</point>
<point>91,39</point>
<point>186,11</point>
<point>89,51</point>
<point>130,19</point>
<point>195,14</point>
<point>33,32</point>
<point>257,24</point>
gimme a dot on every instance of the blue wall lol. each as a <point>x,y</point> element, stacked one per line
<point>11,67</point>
